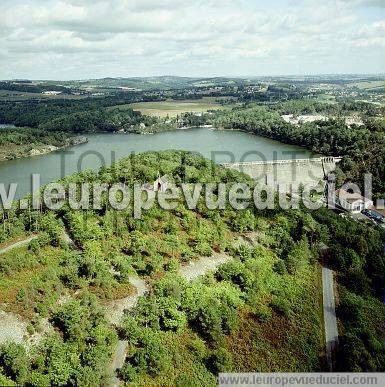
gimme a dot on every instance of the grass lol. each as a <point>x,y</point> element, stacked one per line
<point>291,343</point>
<point>327,98</point>
<point>32,272</point>
<point>173,108</point>
<point>13,240</point>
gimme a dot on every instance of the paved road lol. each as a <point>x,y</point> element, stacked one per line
<point>17,244</point>
<point>330,319</point>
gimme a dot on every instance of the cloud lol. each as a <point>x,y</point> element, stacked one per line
<point>144,37</point>
<point>372,35</point>
<point>370,3</point>
<point>376,29</point>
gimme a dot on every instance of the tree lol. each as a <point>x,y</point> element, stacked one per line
<point>236,272</point>
<point>14,360</point>
<point>151,355</point>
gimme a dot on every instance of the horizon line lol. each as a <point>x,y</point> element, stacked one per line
<point>196,77</point>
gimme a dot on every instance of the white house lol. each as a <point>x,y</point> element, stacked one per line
<point>51,92</point>
<point>352,202</point>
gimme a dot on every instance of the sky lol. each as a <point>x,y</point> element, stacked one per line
<point>74,39</point>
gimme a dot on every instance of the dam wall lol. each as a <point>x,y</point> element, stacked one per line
<point>301,171</point>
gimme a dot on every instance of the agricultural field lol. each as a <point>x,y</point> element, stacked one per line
<point>368,85</point>
<point>326,98</point>
<point>173,108</point>
<point>11,95</point>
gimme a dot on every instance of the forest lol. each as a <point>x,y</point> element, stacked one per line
<point>19,142</point>
<point>84,115</point>
<point>39,123</point>
<point>260,311</point>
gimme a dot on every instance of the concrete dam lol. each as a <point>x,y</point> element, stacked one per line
<point>301,171</point>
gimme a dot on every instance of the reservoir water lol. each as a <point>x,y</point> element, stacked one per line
<point>104,148</point>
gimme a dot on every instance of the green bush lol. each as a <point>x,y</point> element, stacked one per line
<point>151,356</point>
<point>220,361</point>
<point>15,362</point>
<point>280,267</point>
<point>263,313</point>
<point>281,306</point>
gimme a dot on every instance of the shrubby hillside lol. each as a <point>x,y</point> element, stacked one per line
<point>260,311</point>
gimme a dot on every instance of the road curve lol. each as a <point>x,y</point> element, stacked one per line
<point>330,319</point>
<point>203,265</point>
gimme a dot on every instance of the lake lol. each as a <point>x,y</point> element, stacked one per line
<point>104,148</point>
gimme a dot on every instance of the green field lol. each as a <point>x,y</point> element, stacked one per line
<point>369,85</point>
<point>327,98</point>
<point>173,108</point>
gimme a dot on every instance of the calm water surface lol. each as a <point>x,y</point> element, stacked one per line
<point>102,149</point>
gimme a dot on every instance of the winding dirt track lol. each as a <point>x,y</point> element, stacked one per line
<point>17,244</point>
<point>116,313</point>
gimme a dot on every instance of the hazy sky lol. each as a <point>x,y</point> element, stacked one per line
<point>70,39</point>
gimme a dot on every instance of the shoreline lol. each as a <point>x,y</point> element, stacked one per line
<point>49,148</point>
<point>166,130</point>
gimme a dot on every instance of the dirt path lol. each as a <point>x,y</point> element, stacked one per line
<point>17,244</point>
<point>67,239</point>
<point>117,363</point>
<point>205,264</point>
<point>115,311</point>
<point>117,308</point>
